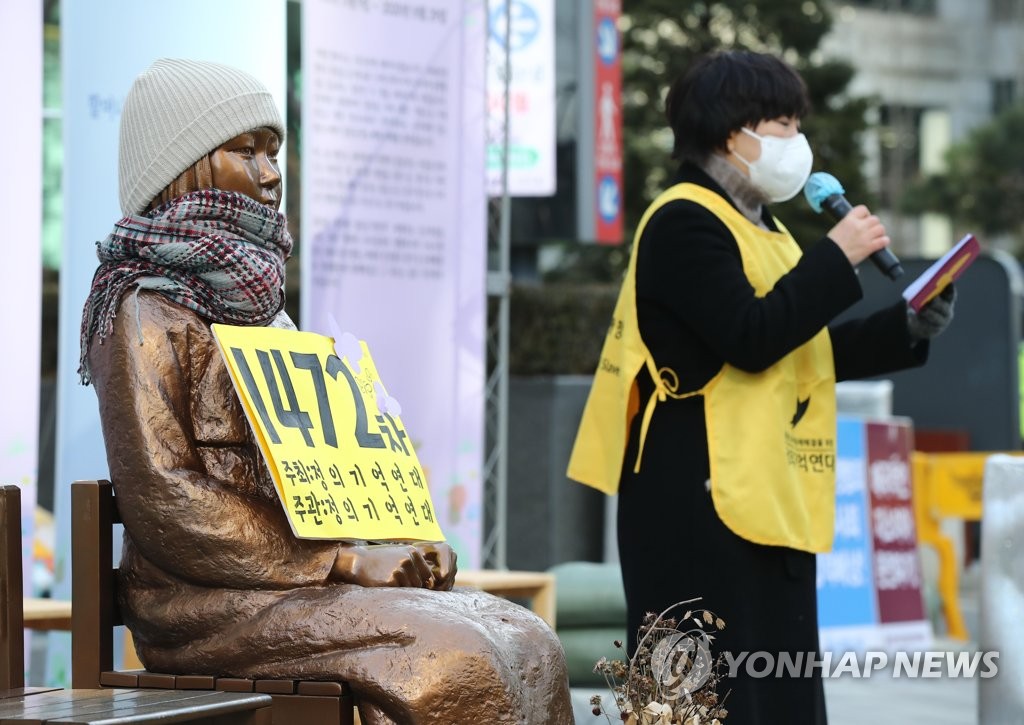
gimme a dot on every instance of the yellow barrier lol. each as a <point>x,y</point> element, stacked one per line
<point>947,485</point>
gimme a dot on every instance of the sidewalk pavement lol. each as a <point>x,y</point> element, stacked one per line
<point>884,700</point>
<point>877,700</point>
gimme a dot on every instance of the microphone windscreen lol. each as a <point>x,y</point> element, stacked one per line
<point>821,186</point>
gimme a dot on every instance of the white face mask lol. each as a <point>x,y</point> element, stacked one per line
<point>783,167</point>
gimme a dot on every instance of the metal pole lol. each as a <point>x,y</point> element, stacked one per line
<point>505,253</point>
<point>494,552</point>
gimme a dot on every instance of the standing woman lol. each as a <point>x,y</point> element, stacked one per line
<point>713,409</point>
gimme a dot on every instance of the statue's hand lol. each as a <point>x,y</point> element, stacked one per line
<point>393,565</point>
<point>442,564</point>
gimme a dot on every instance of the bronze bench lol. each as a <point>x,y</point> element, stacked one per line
<point>38,705</point>
<point>94,615</point>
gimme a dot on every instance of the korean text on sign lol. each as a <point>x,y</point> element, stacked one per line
<point>341,459</point>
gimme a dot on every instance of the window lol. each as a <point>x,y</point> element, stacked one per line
<point>899,150</point>
<point>1001,10</point>
<point>914,7</point>
<point>1004,93</point>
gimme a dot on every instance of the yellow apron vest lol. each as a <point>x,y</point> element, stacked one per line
<point>771,435</point>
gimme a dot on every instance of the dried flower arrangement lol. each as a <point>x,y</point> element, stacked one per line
<point>672,678</point>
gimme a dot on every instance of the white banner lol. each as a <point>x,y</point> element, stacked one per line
<point>393,221</point>
<point>21,127</point>
<point>104,47</point>
<point>531,101</point>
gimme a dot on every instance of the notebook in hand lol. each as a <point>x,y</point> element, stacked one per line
<point>945,270</point>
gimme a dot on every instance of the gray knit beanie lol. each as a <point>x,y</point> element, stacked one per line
<point>176,112</point>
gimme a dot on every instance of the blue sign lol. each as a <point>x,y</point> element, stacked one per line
<point>525,24</point>
<point>846,590</point>
<point>607,41</point>
<point>608,199</point>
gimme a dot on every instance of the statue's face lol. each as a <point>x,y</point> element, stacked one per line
<point>248,164</point>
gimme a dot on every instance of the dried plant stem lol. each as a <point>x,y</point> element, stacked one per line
<point>659,618</point>
<point>671,676</point>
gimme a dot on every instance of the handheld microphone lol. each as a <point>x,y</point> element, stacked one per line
<point>823,191</point>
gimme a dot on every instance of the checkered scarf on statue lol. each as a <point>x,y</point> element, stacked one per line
<point>218,253</point>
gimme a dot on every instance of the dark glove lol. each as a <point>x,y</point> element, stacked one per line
<point>934,317</point>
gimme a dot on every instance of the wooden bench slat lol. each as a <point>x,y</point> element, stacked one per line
<point>314,709</point>
<point>59,697</point>
<point>25,691</point>
<point>194,682</point>
<point>275,687</point>
<point>58,703</point>
<point>194,706</point>
<point>129,706</point>
<point>244,716</point>
<point>234,684</point>
<point>158,680</point>
<point>141,678</point>
<point>325,689</point>
<point>88,700</point>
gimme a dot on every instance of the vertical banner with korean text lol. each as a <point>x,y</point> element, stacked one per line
<point>607,182</point>
<point>599,202</point>
<point>897,562</point>
<point>847,611</point>
<point>21,127</point>
<point>393,220</point>
<point>104,47</point>
<point>870,584</point>
<point>531,101</point>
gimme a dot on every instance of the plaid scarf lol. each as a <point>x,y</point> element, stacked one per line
<point>218,253</point>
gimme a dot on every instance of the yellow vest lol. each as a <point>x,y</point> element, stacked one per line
<point>771,435</point>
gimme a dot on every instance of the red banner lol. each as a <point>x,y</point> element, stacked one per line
<point>608,206</point>
<point>897,564</point>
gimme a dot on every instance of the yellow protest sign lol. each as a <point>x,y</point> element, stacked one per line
<point>340,456</point>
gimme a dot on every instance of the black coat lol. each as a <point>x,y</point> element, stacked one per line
<point>697,311</point>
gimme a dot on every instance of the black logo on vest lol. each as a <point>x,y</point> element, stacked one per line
<point>801,408</point>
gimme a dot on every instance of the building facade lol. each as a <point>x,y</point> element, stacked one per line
<point>936,69</point>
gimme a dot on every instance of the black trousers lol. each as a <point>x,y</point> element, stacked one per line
<point>673,547</point>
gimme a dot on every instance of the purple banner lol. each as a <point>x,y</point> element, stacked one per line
<point>21,87</point>
<point>393,221</point>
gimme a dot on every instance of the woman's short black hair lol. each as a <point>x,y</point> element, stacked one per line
<point>724,91</point>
